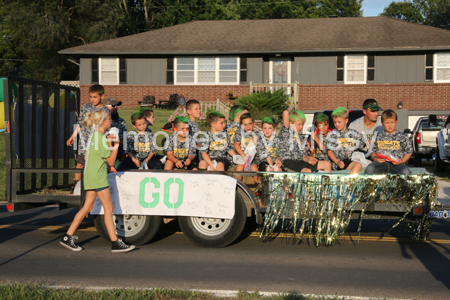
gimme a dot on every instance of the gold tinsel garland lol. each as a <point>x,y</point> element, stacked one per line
<point>320,206</point>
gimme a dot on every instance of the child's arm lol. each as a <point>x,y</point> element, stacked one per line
<point>333,158</point>
<point>111,160</point>
<point>188,160</point>
<point>72,137</point>
<point>133,159</point>
<point>208,160</point>
<point>149,157</point>
<point>237,147</point>
<point>173,159</point>
<point>319,144</point>
<point>286,118</point>
<point>405,158</point>
<point>310,160</point>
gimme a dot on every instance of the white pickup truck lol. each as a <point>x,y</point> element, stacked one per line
<point>424,137</point>
<point>443,147</point>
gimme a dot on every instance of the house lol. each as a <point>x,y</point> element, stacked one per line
<point>335,62</point>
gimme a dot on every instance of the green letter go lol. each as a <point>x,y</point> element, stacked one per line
<point>155,196</point>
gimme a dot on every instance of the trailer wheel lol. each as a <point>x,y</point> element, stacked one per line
<point>132,229</point>
<point>215,233</point>
<point>438,163</point>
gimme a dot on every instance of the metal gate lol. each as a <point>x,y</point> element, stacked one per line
<point>39,118</point>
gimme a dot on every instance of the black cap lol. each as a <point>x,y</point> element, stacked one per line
<point>112,102</point>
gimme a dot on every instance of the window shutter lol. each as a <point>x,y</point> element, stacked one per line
<point>94,71</point>
<point>243,70</point>
<point>123,71</point>
<point>370,68</point>
<point>340,68</point>
<point>169,73</point>
<point>429,67</point>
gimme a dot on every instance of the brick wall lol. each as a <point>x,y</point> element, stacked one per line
<point>131,94</point>
<point>420,96</point>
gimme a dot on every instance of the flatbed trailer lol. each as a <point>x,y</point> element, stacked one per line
<point>39,118</point>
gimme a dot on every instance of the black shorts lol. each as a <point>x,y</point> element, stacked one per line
<point>226,162</point>
<point>347,163</point>
<point>190,167</point>
<point>263,166</point>
<point>299,165</point>
<point>80,159</point>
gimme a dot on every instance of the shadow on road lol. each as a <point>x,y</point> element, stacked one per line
<point>429,255</point>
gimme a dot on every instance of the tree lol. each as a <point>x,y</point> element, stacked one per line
<point>280,9</point>
<point>429,12</point>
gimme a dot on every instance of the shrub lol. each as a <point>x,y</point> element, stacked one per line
<point>266,103</point>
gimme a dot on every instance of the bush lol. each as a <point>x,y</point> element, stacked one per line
<point>265,103</point>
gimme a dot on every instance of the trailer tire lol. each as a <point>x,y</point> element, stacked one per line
<point>215,233</point>
<point>438,163</point>
<point>134,230</point>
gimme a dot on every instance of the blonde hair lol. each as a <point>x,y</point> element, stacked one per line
<point>96,117</point>
<point>340,112</point>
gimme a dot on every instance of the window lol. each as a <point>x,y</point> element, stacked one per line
<point>207,70</point>
<point>429,67</point>
<point>355,69</point>
<point>441,67</point>
<point>109,70</point>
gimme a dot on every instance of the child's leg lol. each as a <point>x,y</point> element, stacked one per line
<point>254,168</point>
<point>155,164</point>
<point>203,165</point>
<point>220,166</point>
<point>306,170</point>
<point>324,165</point>
<point>169,165</point>
<point>105,199</point>
<point>77,176</point>
<point>87,207</point>
<point>239,168</point>
<point>354,167</point>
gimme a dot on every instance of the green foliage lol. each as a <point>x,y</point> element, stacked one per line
<point>280,9</point>
<point>406,11</point>
<point>265,104</point>
<point>428,12</point>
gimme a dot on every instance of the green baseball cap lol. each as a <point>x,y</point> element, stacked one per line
<point>372,106</point>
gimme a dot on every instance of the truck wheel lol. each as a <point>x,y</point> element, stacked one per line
<point>438,163</point>
<point>215,233</point>
<point>417,160</point>
<point>132,229</point>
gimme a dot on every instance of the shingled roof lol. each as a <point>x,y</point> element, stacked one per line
<point>276,35</point>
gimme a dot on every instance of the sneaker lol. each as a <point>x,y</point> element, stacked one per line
<point>68,241</point>
<point>120,246</point>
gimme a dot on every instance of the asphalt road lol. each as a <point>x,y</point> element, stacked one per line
<point>393,267</point>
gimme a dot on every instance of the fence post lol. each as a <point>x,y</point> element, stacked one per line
<point>296,95</point>
<point>218,104</point>
<point>251,87</point>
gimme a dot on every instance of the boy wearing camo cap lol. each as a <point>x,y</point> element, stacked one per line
<point>395,146</point>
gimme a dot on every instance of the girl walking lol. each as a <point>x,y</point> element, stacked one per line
<point>96,182</point>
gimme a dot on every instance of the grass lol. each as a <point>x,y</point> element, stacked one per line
<point>42,292</point>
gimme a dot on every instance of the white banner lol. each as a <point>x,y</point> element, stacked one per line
<point>171,194</point>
